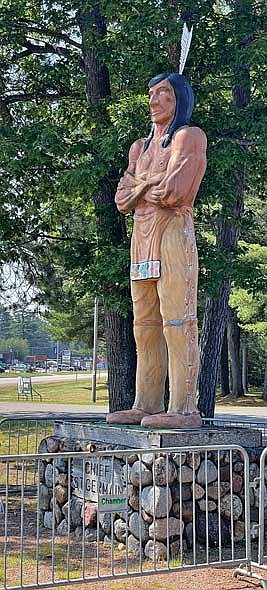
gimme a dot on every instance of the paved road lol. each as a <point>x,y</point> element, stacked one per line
<point>33,408</point>
<point>232,412</point>
<point>72,376</point>
<point>42,408</point>
<point>246,413</point>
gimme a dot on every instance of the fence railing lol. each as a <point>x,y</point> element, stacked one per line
<point>250,424</point>
<point>23,495</point>
<point>22,434</point>
<point>262,553</point>
<point>116,514</point>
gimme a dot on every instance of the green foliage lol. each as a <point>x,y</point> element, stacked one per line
<point>18,347</point>
<point>75,324</point>
<point>57,151</point>
<point>22,324</point>
<point>250,300</point>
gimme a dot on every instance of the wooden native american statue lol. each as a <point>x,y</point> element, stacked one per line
<point>160,185</point>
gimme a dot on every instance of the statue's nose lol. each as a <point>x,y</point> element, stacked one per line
<point>153,100</point>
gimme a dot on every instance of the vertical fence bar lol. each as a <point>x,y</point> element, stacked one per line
<point>247,507</point>
<point>18,452</point>
<point>53,522</point>
<point>68,537</point>
<point>36,450</point>
<point>112,517</point>
<point>127,514</point>
<point>219,505</point>
<point>97,548</point>
<point>206,507</point>
<point>168,508</point>
<point>181,506</point>
<point>37,522</point>
<point>6,524</point>
<point>83,522</point>
<point>194,509</point>
<point>232,507</point>
<point>27,436</point>
<point>154,512</point>
<point>22,522</point>
<point>140,457</point>
<point>261,508</point>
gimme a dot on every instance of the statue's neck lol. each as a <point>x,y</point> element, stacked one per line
<point>160,130</point>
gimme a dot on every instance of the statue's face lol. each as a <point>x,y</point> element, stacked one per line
<point>162,102</point>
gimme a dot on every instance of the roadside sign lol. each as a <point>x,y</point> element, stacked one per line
<point>112,503</point>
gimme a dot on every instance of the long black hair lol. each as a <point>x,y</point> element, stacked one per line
<point>184,105</point>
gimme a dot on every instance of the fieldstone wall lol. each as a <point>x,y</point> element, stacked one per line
<point>185,488</point>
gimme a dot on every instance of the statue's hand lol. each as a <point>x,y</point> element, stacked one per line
<point>126,182</point>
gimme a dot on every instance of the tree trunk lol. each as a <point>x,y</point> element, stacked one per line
<point>234,351</point>
<point>210,349</point>
<point>93,29</point>
<point>225,383</point>
<point>121,360</point>
<point>245,367</point>
<point>264,393</point>
<point>119,330</point>
<point>228,229</point>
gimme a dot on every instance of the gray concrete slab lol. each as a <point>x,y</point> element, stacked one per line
<point>138,437</point>
<point>231,412</point>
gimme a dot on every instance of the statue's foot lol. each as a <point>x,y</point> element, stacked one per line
<point>133,416</point>
<point>172,421</point>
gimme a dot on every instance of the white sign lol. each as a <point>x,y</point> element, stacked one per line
<point>112,503</point>
<point>92,476</point>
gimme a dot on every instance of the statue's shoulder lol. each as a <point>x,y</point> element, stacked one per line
<point>136,149</point>
<point>190,136</point>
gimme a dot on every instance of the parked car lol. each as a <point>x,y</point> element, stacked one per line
<point>65,368</point>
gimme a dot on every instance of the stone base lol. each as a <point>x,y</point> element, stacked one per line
<point>96,430</point>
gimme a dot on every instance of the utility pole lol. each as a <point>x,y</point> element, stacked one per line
<point>57,353</point>
<point>95,351</point>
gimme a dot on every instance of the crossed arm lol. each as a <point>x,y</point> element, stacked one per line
<point>168,188</point>
<point>131,187</point>
<point>187,162</point>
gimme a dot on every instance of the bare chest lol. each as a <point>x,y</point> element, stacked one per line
<point>154,160</point>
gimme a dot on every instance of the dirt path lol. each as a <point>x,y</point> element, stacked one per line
<point>204,579</point>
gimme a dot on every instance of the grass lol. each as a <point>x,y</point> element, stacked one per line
<point>22,437</point>
<point>62,392</point>
<point>252,398</point>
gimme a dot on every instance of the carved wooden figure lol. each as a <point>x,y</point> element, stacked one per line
<point>160,185</point>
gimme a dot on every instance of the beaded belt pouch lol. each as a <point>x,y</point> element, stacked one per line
<point>150,269</point>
